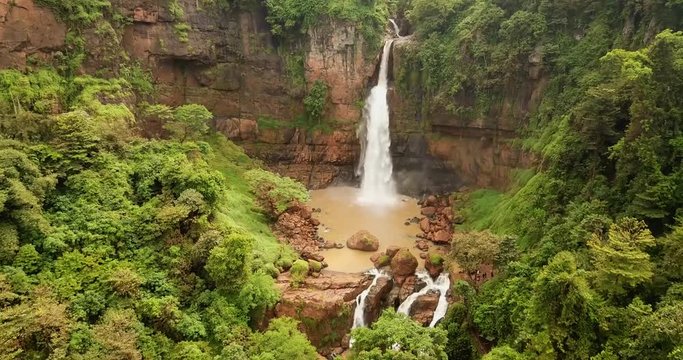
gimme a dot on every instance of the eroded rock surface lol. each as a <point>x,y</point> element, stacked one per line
<point>323,305</point>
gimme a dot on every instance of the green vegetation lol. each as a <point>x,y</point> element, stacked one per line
<point>395,336</point>
<point>291,18</point>
<point>588,263</point>
<point>113,246</point>
<point>299,272</point>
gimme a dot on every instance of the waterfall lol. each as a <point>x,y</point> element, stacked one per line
<point>397,30</point>
<point>377,185</point>
<point>441,284</point>
<point>359,313</point>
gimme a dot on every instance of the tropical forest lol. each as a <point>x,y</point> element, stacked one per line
<point>341,179</point>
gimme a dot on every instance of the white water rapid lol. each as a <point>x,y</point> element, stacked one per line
<point>441,284</point>
<point>377,185</point>
<point>359,313</point>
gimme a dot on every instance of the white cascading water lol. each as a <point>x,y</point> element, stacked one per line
<point>377,184</point>
<point>397,30</point>
<point>359,313</point>
<point>441,284</point>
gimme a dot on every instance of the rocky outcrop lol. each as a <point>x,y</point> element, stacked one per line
<point>437,224</point>
<point>377,299</point>
<point>363,241</point>
<point>28,31</point>
<point>423,308</point>
<point>299,229</point>
<point>323,306</point>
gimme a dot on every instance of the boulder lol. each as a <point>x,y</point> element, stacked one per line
<point>428,211</point>
<point>422,245</point>
<point>434,264</point>
<point>442,237</point>
<point>363,241</point>
<point>407,287</point>
<point>392,250</point>
<point>373,303</point>
<point>423,308</point>
<point>424,225</point>
<point>380,260</point>
<point>403,263</point>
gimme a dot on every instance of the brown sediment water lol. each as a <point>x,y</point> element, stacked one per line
<point>342,215</point>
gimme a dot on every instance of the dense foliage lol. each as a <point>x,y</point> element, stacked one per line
<point>117,247</point>
<point>592,267</point>
<point>397,337</point>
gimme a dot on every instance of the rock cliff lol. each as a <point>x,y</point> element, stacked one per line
<point>228,60</point>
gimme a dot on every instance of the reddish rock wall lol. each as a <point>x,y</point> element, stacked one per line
<point>27,31</point>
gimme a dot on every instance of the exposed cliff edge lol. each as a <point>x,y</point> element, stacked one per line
<point>229,62</point>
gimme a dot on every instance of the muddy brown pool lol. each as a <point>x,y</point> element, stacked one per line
<point>341,216</point>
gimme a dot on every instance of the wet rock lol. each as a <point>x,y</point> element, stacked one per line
<point>380,260</point>
<point>424,225</point>
<point>423,255</point>
<point>392,250</point>
<point>407,287</point>
<point>428,211</point>
<point>324,305</point>
<point>339,246</point>
<point>442,237</point>
<point>423,308</point>
<point>434,264</point>
<point>363,241</point>
<point>415,220</point>
<point>377,294</point>
<point>329,245</point>
<point>430,201</point>
<point>422,245</point>
<point>403,263</point>
<point>407,223</point>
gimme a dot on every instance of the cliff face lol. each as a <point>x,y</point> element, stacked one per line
<point>477,150</point>
<point>228,61</point>
<point>27,32</point>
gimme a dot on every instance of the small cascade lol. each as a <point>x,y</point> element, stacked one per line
<point>359,313</point>
<point>377,184</point>
<point>441,284</point>
<point>397,30</point>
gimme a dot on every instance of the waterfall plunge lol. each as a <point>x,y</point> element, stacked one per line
<point>441,284</point>
<point>377,185</point>
<point>359,313</point>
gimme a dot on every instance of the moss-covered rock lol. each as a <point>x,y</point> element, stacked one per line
<point>363,241</point>
<point>403,263</point>
<point>299,271</point>
<point>314,266</point>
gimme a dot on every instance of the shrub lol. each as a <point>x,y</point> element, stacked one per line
<point>275,193</point>
<point>299,271</point>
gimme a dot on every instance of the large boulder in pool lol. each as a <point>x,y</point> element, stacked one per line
<point>363,241</point>
<point>403,263</point>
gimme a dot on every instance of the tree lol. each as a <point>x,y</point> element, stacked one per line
<point>564,304</point>
<point>396,336</point>
<point>188,121</point>
<point>229,261</point>
<point>473,249</point>
<point>275,193</point>
<point>620,260</point>
<point>282,341</point>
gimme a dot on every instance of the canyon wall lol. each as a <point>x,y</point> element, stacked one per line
<point>229,61</point>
